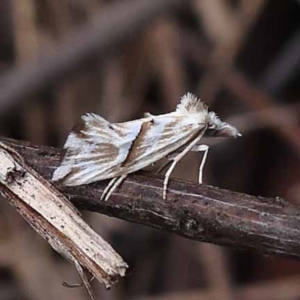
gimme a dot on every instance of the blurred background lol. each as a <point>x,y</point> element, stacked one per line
<point>241,57</point>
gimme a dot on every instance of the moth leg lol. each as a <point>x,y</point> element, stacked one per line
<point>111,183</point>
<point>176,159</point>
<point>114,186</point>
<point>165,164</point>
<point>203,148</point>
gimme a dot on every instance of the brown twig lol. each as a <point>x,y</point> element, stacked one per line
<point>198,212</point>
<point>228,30</point>
<point>95,39</point>
<point>57,221</point>
<point>238,84</point>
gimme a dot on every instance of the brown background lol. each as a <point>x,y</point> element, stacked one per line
<point>241,57</point>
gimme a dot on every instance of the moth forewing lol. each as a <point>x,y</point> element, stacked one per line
<point>162,136</point>
<point>52,216</point>
<point>95,150</point>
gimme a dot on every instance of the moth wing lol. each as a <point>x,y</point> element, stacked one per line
<point>94,150</point>
<point>163,135</point>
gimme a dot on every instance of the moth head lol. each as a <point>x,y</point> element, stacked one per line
<point>217,128</point>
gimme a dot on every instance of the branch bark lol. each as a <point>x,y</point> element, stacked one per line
<point>198,212</point>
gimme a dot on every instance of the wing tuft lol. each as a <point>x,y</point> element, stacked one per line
<point>189,103</point>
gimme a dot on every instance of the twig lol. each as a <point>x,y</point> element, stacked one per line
<point>95,39</point>
<point>284,67</point>
<point>57,221</point>
<point>198,212</point>
<point>238,84</point>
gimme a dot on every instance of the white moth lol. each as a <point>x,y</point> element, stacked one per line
<point>98,150</point>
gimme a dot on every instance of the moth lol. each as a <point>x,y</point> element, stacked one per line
<point>97,149</point>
